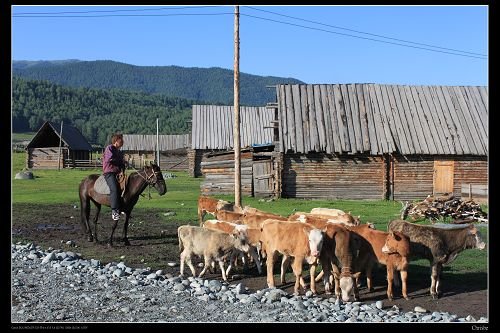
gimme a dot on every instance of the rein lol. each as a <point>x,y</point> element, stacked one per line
<point>147,179</point>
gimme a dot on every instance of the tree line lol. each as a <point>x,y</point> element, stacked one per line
<point>97,112</point>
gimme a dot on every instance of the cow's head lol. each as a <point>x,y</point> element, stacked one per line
<point>315,238</point>
<point>474,239</point>
<point>396,242</point>
<point>347,282</point>
<point>241,239</point>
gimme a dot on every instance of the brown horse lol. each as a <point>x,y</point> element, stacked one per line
<point>136,184</point>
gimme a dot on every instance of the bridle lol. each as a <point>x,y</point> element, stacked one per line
<point>149,178</point>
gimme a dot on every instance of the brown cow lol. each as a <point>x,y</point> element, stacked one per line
<point>211,205</point>
<point>303,242</point>
<point>387,248</point>
<point>438,245</point>
<point>229,228</point>
<point>254,220</point>
<point>228,216</point>
<point>340,247</point>
<point>320,220</point>
<point>213,245</point>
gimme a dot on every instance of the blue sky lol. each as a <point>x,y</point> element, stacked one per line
<point>305,44</point>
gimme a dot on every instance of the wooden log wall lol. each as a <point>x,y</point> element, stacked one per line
<point>46,158</point>
<point>413,177</point>
<point>471,170</point>
<point>219,174</point>
<point>333,177</point>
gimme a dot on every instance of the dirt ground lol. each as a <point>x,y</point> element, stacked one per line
<point>154,244</point>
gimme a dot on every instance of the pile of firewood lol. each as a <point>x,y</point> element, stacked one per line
<point>434,208</point>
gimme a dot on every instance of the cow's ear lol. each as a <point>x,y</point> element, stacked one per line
<point>391,233</point>
<point>357,275</point>
<point>472,229</point>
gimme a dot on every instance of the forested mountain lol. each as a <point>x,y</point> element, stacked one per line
<point>97,112</point>
<point>213,85</point>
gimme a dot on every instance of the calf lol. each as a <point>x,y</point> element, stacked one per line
<point>387,248</point>
<point>303,242</point>
<point>213,245</point>
<point>254,220</point>
<point>438,245</point>
<point>327,211</point>
<point>211,205</point>
<point>228,216</point>
<point>340,248</point>
<point>230,228</point>
<point>319,221</point>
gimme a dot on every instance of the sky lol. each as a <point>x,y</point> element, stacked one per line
<point>407,45</point>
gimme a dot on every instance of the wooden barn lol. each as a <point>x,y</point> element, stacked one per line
<point>212,131</point>
<point>212,155</point>
<point>49,149</point>
<point>140,149</point>
<point>374,141</point>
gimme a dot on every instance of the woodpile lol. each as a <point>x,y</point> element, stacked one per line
<point>437,207</point>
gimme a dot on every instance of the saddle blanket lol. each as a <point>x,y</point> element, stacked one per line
<point>102,187</point>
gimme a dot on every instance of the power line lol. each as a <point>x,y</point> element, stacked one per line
<point>366,33</point>
<point>366,38</point>
<point>122,15</point>
<point>51,15</point>
<point>116,10</point>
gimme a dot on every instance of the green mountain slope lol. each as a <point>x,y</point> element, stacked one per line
<point>96,112</point>
<point>213,85</point>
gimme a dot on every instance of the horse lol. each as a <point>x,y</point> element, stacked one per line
<point>137,182</point>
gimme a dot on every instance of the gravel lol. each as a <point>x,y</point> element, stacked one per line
<point>60,286</point>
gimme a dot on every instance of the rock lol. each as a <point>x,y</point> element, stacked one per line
<point>379,305</point>
<point>419,309</point>
<point>24,175</point>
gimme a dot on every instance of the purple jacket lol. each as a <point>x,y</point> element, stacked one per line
<point>112,160</point>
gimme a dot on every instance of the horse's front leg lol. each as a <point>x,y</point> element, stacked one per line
<point>96,217</point>
<point>110,242</point>
<point>125,229</point>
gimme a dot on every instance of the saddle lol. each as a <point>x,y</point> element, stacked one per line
<point>102,187</point>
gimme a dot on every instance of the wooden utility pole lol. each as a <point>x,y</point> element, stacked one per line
<point>60,144</point>
<point>236,132</point>
<point>157,142</point>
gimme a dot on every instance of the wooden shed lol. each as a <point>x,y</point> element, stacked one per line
<point>49,149</point>
<point>374,141</point>
<point>212,152</point>
<point>140,149</point>
<point>212,131</point>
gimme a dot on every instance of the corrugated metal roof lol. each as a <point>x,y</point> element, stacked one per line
<point>71,136</point>
<point>147,142</point>
<point>213,126</point>
<point>377,119</point>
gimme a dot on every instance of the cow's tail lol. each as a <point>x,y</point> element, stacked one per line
<point>181,245</point>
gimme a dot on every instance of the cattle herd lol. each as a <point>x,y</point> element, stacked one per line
<point>344,247</point>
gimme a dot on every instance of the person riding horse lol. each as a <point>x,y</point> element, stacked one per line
<point>113,165</point>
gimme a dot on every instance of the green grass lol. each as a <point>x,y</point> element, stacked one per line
<point>25,136</point>
<point>61,187</point>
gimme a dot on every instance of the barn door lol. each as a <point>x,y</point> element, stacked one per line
<point>263,178</point>
<point>443,176</point>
